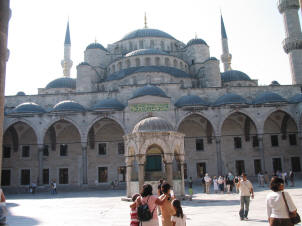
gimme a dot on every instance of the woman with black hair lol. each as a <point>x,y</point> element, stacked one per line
<point>179,219</point>
<point>167,210</point>
<point>276,207</point>
<point>146,197</point>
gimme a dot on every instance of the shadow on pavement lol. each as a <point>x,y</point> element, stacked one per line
<point>197,202</point>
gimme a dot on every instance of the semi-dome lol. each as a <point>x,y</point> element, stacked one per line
<point>191,100</point>
<point>234,75</point>
<point>28,107</point>
<point>68,105</point>
<point>64,82</point>
<point>20,93</point>
<point>196,41</point>
<point>153,124</point>
<point>230,98</point>
<point>268,97</point>
<point>110,103</point>
<point>149,90</point>
<point>95,45</point>
<point>147,32</point>
<point>296,98</point>
<point>146,52</point>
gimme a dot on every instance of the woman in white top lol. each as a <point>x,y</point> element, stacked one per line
<point>276,208</point>
<point>179,219</point>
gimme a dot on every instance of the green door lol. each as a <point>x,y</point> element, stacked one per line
<point>153,163</point>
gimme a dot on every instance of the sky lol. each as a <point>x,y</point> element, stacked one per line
<point>37,29</point>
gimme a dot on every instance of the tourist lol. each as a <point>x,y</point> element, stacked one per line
<point>203,184</point>
<point>215,182</point>
<point>291,178</point>
<point>134,221</point>
<point>284,177</point>
<point>167,210</point>
<point>179,219</point>
<point>207,181</point>
<point>245,191</point>
<point>190,188</point>
<point>221,184</point>
<point>275,203</point>
<point>224,183</point>
<point>34,187</point>
<point>231,179</point>
<point>266,178</point>
<point>3,210</point>
<point>159,193</point>
<point>146,197</point>
<point>261,178</point>
<point>236,181</point>
<point>53,187</point>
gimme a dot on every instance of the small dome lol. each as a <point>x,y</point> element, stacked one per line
<point>268,97</point>
<point>153,124</point>
<point>146,52</point>
<point>20,93</point>
<point>191,100</point>
<point>109,103</point>
<point>83,63</point>
<point>230,98</point>
<point>296,98</point>
<point>64,82</point>
<point>29,107</point>
<point>196,41</point>
<point>148,90</point>
<point>275,83</point>
<point>96,45</point>
<point>234,75</point>
<point>147,32</point>
<point>68,105</point>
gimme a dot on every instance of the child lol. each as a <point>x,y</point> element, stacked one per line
<point>133,212</point>
<point>179,219</point>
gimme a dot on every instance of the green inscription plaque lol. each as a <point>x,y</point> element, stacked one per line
<point>149,107</point>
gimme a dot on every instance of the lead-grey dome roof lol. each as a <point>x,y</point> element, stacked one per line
<point>28,107</point>
<point>64,82</point>
<point>268,97</point>
<point>234,75</point>
<point>146,52</point>
<point>153,124</point>
<point>147,32</point>
<point>296,98</point>
<point>20,93</point>
<point>149,90</point>
<point>191,100</point>
<point>230,98</point>
<point>96,45</point>
<point>196,41</point>
<point>110,103</point>
<point>68,105</point>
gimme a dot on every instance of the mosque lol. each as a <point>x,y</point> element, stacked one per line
<point>148,107</point>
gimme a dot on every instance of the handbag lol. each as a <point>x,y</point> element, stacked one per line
<point>294,216</point>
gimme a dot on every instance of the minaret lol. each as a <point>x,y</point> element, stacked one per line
<point>67,62</point>
<point>292,44</point>
<point>226,57</point>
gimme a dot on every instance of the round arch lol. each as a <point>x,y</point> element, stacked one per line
<point>269,113</point>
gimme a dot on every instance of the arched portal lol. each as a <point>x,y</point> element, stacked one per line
<point>281,142</point>
<point>239,145</point>
<point>106,153</point>
<point>199,146</point>
<point>154,166</point>
<point>20,156</point>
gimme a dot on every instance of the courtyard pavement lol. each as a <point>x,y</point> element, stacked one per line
<point>105,208</point>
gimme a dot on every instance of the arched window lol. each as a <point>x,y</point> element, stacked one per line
<point>128,63</point>
<point>175,63</point>
<point>181,65</point>
<point>167,61</point>
<point>147,61</point>
<point>119,65</point>
<point>130,46</point>
<point>162,45</point>
<point>134,81</point>
<point>141,44</point>
<point>157,61</point>
<point>152,44</point>
<point>137,62</point>
<point>113,68</point>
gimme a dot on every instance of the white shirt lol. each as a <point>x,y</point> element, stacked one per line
<point>245,188</point>
<point>207,179</point>
<point>276,207</point>
<point>179,221</point>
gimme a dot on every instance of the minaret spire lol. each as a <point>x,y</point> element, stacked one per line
<point>146,21</point>
<point>67,62</point>
<point>226,57</point>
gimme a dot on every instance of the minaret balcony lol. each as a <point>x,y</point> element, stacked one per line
<point>292,43</point>
<point>288,4</point>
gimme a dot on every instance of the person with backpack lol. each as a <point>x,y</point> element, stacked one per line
<point>146,205</point>
<point>167,210</point>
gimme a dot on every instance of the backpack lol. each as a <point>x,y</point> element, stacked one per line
<point>143,212</point>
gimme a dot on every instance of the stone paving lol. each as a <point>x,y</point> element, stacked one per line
<point>106,208</point>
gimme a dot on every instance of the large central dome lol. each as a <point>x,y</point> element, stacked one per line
<point>147,32</point>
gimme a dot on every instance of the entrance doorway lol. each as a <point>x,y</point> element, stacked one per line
<point>240,168</point>
<point>153,166</point>
<point>277,165</point>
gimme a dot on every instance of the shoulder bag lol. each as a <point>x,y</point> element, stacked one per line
<point>294,216</point>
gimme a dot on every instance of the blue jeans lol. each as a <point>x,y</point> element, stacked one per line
<point>244,206</point>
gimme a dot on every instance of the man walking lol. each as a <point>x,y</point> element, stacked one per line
<point>245,191</point>
<point>207,181</point>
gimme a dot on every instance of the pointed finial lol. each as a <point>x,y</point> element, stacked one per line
<point>223,32</point>
<point>146,20</point>
<point>67,35</point>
